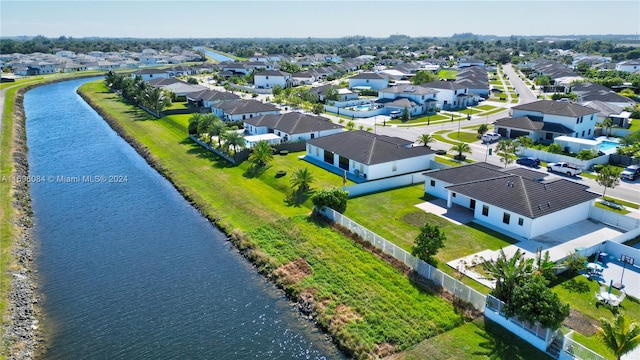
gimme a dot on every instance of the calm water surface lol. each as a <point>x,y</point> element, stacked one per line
<point>127,268</point>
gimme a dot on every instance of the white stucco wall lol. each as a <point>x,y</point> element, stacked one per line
<point>269,81</point>
<point>375,84</point>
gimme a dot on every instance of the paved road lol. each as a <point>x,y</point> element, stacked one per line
<point>524,92</point>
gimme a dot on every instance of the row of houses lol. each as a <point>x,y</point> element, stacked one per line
<point>68,61</point>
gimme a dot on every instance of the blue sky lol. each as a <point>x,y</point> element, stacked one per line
<point>324,18</point>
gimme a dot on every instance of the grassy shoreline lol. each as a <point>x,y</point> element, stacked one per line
<point>368,307</point>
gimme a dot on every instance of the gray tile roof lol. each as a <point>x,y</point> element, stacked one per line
<point>526,197</point>
<point>532,123</point>
<point>448,85</point>
<point>273,73</point>
<point>293,123</point>
<point>212,95</point>
<point>466,173</point>
<point>368,75</point>
<point>409,89</point>
<point>234,107</point>
<point>368,148</point>
<point>560,108</point>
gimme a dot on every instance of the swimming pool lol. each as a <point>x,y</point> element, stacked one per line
<point>363,107</point>
<point>606,146</point>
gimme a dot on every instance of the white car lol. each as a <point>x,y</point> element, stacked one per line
<point>490,137</point>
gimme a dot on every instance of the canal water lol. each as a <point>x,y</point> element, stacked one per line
<point>127,268</point>
<point>214,55</point>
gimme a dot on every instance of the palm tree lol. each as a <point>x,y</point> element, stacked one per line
<point>216,127</point>
<point>425,139</point>
<point>607,124</point>
<point>460,148</point>
<point>620,335</point>
<point>235,139</point>
<point>508,273</point>
<point>194,121</point>
<point>301,179</point>
<point>261,154</point>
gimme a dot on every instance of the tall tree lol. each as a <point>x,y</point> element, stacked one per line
<point>428,242</point>
<point>423,76</point>
<point>506,149</point>
<point>483,128</point>
<point>533,301</point>
<point>301,179</point>
<point>621,335</point>
<point>261,154</point>
<point>608,177</point>
<point>607,124</point>
<point>524,142</point>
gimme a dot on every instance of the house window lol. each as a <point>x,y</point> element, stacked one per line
<point>582,133</point>
<point>317,151</point>
<point>520,221</point>
<point>472,204</point>
<point>313,135</point>
<point>485,210</point>
<point>453,194</point>
<point>589,132</point>
<point>506,217</point>
<point>432,183</point>
<point>367,81</point>
<point>328,157</point>
<point>309,149</point>
<point>267,78</point>
<point>343,163</point>
<point>394,166</point>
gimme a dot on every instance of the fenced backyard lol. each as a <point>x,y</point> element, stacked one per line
<point>447,282</point>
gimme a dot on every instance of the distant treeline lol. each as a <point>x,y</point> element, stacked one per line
<point>484,47</point>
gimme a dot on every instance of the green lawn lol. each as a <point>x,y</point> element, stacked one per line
<point>495,82</point>
<point>420,119</point>
<point>463,136</point>
<point>361,300</point>
<point>482,340</point>
<point>392,214</point>
<point>485,107</point>
<point>579,291</point>
<point>447,74</point>
<point>635,125</point>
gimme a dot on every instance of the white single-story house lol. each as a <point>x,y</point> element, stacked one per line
<point>207,98</point>
<point>369,156</point>
<point>292,126</point>
<point>238,110</point>
<point>343,94</point>
<point>269,78</point>
<point>150,74</point>
<point>513,201</point>
<point>369,80</point>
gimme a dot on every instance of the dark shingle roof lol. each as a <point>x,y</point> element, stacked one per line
<point>245,107</point>
<point>293,123</point>
<point>368,75</point>
<point>526,197</point>
<point>448,85</point>
<point>212,95</point>
<point>367,148</point>
<point>532,123</point>
<point>273,73</point>
<point>409,90</point>
<point>466,173</point>
<point>560,108</point>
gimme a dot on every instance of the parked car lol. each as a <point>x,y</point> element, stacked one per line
<point>490,137</point>
<point>565,168</point>
<point>631,172</point>
<point>528,161</point>
<point>395,114</point>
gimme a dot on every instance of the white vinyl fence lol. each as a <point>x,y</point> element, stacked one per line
<point>450,284</point>
<point>574,350</point>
